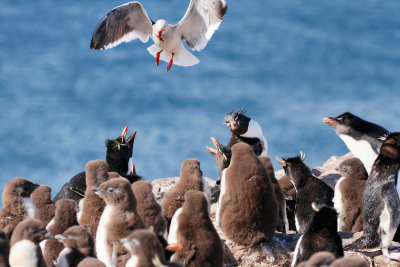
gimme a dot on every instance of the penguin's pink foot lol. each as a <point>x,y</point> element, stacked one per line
<point>170,62</point>
<point>158,58</point>
<point>391,255</point>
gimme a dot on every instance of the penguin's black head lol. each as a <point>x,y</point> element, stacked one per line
<point>222,156</point>
<point>295,167</point>
<point>120,149</point>
<point>342,123</point>
<point>354,126</point>
<point>237,122</point>
<point>325,217</point>
<point>391,147</point>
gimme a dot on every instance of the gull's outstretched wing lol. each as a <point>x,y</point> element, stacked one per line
<point>201,20</point>
<point>122,24</point>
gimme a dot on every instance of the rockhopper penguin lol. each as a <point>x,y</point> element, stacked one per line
<point>362,138</point>
<point>119,151</point>
<point>381,203</point>
<point>246,130</point>
<point>321,235</point>
<point>309,189</point>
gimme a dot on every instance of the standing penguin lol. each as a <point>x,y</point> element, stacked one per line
<point>247,210</point>
<point>321,235</point>
<point>17,204</point>
<point>222,156</point>
<point>118,220</point>
<point>191,178</point>
<point>65,217</point>
<point>25,250</point>
<point>148,208</point>
<point>381,203</point>
<point>41,197</point>
<point>119,151</point>
<point>78,244</point>
<point>362,138</point>
<point>246,130</point>
<point>309,189</point>
<point>191,226</point>
<point>93,205</point>
<point>348,195</point>
<point>283,224</point>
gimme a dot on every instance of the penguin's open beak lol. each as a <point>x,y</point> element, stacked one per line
<point>211,150</point>
<point>174,247</point>
<point>132,137</point>
<point>124,132</point>
<point>328,120</point>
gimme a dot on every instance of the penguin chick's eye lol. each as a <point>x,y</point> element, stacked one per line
<point>110,189</point>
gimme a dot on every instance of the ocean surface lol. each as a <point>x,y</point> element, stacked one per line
<point>288,63</point>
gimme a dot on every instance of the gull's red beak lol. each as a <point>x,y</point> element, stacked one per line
<point>159,35</point>
<point>328,120</point>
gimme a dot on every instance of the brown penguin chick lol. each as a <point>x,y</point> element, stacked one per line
<point>41,197</point>
<point>118,220</point>
<point>283,224</point>
<point>17,204</point>
<point>191,226</point>
<point>321,258</point>
<point>4,249</point>
<point>65,217</point>
<point>93,205</point>
<point>148,208</point>
<point>91,262</point>
<point>247,210</point>
<point>287,186</point>
<point>144,246</point>
<point>350,261</point>
<point>78,244</point>
<point>190,179</point>
<point>25,250</point>
<point>348,195</point>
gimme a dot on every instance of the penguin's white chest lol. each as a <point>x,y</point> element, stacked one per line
<point>221,196</point>
<point>133,261</point>
<point>296,251</point>
<point>398,184</point>
<point>173,229</point>
<point>360,149</point>
<point>23,254</point>
<point>62,258</point>
<point>338,204</point>
<point>102,248</point>
<point>30,208</point>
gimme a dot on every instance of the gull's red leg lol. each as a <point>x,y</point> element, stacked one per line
<point>158,58</point>
<point>170,62</point>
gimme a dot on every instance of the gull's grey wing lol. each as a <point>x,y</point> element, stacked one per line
<point>122,24</point>
<point>201,20</point>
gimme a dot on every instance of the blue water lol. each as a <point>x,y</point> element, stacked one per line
<point>289,63</point>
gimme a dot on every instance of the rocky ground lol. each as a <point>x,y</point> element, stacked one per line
<point>279,251</point>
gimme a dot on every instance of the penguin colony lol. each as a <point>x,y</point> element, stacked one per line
<point>109,216</point>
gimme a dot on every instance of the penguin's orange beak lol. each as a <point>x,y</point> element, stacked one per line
<point>215,142</point>
<point>124,132</point>
<point>211,150</point>
<point>328,120</point>
<point>131,137</point>
<point>174,247</point>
